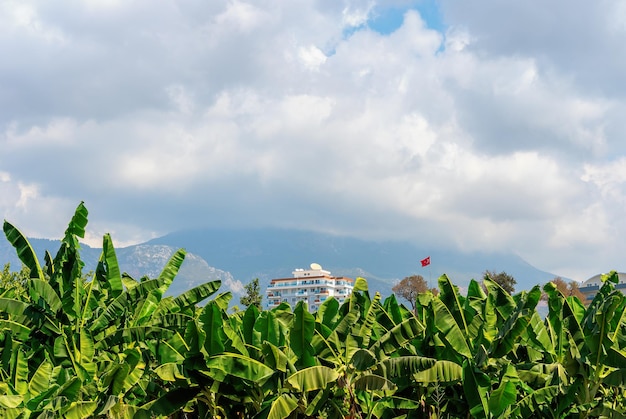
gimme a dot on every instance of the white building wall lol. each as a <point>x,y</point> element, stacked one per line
<point>314,286</point>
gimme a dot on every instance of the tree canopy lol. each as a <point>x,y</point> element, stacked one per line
<point>14,281</point>
<point>253,295</point>
<point>410,287</point>
<point>569,289</point>
<point>506,281</point>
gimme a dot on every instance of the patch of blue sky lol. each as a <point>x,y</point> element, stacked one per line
<point>387,20</point>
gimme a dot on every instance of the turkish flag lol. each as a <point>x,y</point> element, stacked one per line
<point>425,262</point>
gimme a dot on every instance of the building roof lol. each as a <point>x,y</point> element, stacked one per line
<point>597,279</point>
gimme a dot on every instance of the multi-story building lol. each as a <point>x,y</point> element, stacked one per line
<point>313,286</point>
<point>591,286</point>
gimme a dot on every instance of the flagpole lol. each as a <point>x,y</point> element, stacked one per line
<point>425,263</point>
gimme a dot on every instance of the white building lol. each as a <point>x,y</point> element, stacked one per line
<point>591,286</point>
<point>313,286</point>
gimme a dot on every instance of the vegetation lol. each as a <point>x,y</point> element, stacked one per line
<point>506,281</point>
<point>111,346</point>
<point>15,281</point>
<point>409,288</point>
<point>569,289</point>
<point>253,296</point>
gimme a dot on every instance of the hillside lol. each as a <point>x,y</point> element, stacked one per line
<point>238,256</point>
<point>270,253</point>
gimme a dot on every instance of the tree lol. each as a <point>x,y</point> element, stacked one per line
<point>506,281</point>
<point>570,289</point>
<point>13,281</point>
<point>409,287</point>
<point>253,295</point>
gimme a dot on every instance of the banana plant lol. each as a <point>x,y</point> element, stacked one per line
<point>87,346</point>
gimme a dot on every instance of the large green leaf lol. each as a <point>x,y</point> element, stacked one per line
<point>171,402</point>
<point>398,336</point>
<point>403,366</point>
<point>211,324</point>
<point>223,299</point>
<point>24,250</point>
<point>476,386</point>
<point>112,279</point>
<point>81,410</point>
<point>312,378</point>
<point>327,312</point>
<point>240,366</point>
<point>503,302</point>
<point>371,382</point>
<point>12,307</point>
<point>77,224</point>
<point>11,401</point>
<point>275,358</point>
<point>192,297</point>
<point>19,330</point>
<point>442,372</point>
<point>267,329</point>
<point>301,334</point>
<point>234,341</point>
<point>128,299</point>
<point>363,359</point>
<point>170,371</point>
<point>539,336</point>
<point>19,372</point>
<point>506,393</point>
<point>510,332</point>
<point>247,323</point>
<point>450,331</point>
<point>392,307</point>
<point>347,322</point>
<point>40,381</point>
<point>170,270</point>
<point>449,296</point>
<point>527,406</point>
<point>369,320</point>
<point>283,406</point>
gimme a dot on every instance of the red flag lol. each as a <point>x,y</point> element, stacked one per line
<point>425,262</point>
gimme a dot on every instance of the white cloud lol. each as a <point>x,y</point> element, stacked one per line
<point>244,16</point>
<point>356,13</point>
<point>487,136</point>
<point>312,57</point>
<point>234,285</point>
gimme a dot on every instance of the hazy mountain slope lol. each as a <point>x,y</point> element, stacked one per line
<point>238,256</point>
<point>268,253</point>
<point>138,261</point>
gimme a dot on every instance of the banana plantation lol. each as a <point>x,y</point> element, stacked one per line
<point>106,345</point>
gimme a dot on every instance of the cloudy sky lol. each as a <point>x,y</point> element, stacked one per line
<point>483,125</point>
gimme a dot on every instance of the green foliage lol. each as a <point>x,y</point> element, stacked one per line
<point>106,345</point>
<point>253,295</point>
<point>13,284</point>
<point>506,281</point>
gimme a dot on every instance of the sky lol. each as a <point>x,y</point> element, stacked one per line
<point>480,126</point>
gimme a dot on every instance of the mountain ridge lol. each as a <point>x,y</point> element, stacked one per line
<point>237,256</point>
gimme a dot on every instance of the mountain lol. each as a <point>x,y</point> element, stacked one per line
<point>238,256</point>
<point>137,261</point>
<point>271,253</point>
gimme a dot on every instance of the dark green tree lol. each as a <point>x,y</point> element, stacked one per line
<point>506,281</point>
<point>253,295</point>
